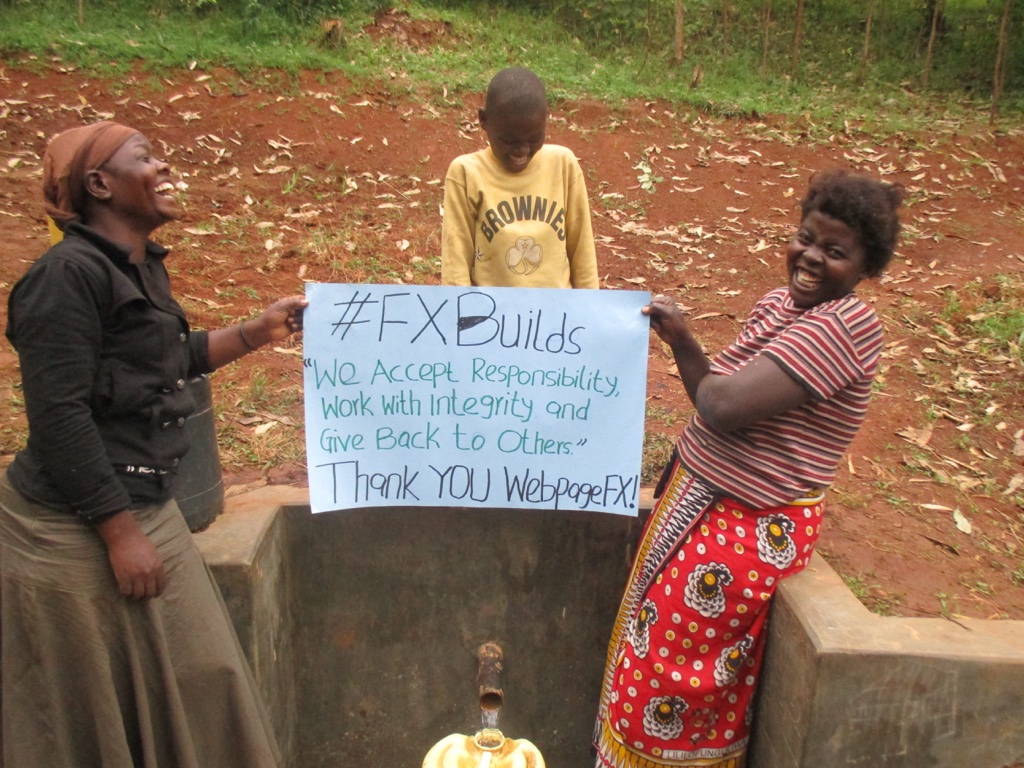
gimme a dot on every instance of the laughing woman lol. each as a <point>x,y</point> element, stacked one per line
<point>116,649</point>
<point>743,499</point>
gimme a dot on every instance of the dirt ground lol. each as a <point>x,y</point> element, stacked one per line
<point>313,181</point>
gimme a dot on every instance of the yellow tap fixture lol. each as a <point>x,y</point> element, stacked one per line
<point>487,749</point>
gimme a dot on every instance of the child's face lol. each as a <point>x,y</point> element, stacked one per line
<point>515,137</point>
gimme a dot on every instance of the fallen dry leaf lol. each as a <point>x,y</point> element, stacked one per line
<point>1015,482</point>
<point>272,171</point>
<point>920,437</point>
<point>287,421</point>
<point>962,523</point>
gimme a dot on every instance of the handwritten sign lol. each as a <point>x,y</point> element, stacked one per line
<point>474,397</point>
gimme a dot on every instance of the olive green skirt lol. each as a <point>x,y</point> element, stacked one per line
<point>90,678</point>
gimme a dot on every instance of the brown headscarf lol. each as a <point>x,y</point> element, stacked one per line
<point>69,157</point>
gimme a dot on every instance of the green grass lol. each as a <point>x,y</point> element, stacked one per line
<point>1004,328</point>
<point>992,314</point>
<point>873,596</point>
<point>1017,576</point>
<point>663,427</point>
<point>657,450</point>
<point>247,432</point>
<point>256,36</point>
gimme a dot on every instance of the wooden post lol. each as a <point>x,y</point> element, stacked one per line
<point>999,76</point>
<point>767,30</point>
<point>725,24</point>
<point>680,14</point>
<point>867,40</point>
<point>797,36</point>
<point>936,15</point>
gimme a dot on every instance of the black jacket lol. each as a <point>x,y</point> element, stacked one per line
<point>106,354</point>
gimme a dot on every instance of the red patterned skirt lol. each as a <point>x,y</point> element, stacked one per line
<point>686,647</point>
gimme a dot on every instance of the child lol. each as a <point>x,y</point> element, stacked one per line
<point>743,500</point>
<point>516,213</point>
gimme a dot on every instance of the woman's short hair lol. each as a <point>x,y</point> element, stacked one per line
<point>865,205</point>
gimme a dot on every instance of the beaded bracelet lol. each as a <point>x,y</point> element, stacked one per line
<point>241,335</point>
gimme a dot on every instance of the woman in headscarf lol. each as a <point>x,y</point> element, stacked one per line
<point>116,647</point>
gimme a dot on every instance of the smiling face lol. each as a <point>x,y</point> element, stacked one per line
<point>825,259</point>
<point>515,137</point>
<point>139,185</point>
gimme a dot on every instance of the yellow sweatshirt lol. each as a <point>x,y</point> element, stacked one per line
<point>530,229</point>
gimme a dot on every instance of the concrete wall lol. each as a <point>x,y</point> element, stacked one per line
<point>379,615</point>
<point>845,687</point>
<point>396,602</point>
<point>363,627</point>
<point>247,550</point>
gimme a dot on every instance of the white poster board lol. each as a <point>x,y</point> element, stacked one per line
<point>474,397</point>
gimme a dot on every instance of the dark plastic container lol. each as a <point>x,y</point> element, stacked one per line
<point>198,486</point>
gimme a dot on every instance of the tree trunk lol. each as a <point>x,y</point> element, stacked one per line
<point>797,36</point>
<point>725,24</point>
<point>678,57</point>
<point>767,29</point>
<point>999,77</point>
<point>867,40</point>
<point>81,13</point>
<point>936,15</point>
<point>649,24</point>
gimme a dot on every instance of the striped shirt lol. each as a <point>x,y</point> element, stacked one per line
<point>833,350</point>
